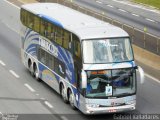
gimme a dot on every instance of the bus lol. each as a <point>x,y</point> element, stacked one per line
<point>89,62</point>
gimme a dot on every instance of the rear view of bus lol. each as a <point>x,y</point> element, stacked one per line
<point>89,62</point>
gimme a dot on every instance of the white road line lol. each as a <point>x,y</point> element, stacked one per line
<point>153,78</point>
<point>7,24</point>
<point>42,98</point>
<point>135,15</point>
<point>11,27</point>
<point>12,4</point>
<point>29,87</point>
<point>13,73</point>
<point>99,2</point>
<point>122,10</point>
<point>1,113</point>
<point>2,63</point>
<point>110,6</point>
<point>137,6</point>
<point>150,20</point>
<point>48,104</point>
<point>64,118</point>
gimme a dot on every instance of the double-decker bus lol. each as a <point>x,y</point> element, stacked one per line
<point>89,62</point>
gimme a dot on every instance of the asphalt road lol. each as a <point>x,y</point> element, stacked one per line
<point>21,94</point>
<point>127,14</point>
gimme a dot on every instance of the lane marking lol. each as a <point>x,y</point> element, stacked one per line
<point>42,98</point>
<point>122,10</point>
<point>12,4</point>
<point>2,63</point>
<point>14,74</point>
<point>48,104</point>
<point>29,87</point>
<point>137,6</point>
<point>150,20</point>
<point>99,2</point>
<point>64,118</point>
<point>135,15</point>
<point>7,23</point>
<point>151,77</point>
<point>110,6</point>
<point>18,32</point>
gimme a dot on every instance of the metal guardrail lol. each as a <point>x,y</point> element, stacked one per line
<point>140,38</point>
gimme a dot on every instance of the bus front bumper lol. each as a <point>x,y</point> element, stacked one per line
<point>103,110</point>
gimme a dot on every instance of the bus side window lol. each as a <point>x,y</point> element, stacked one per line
<point>50,61</point>
<point>42,28</point>
<point>42,56</point>
<point>59,36</point>
<point>52,65</point>
<point>36,24</point>
<point>66,39</point>
<point>30,20</point>
<point>53,31</point>
<point>77,47</point>
<point>56,65</point>
<point>23,16</point>
<point>49,30</point>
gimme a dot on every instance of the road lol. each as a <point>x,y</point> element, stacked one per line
<point>21,94</point>
<point>125,13</point>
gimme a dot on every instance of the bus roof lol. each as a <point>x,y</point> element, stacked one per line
<point>84,26</point>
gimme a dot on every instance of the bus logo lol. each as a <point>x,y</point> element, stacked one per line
<point>49,47</point>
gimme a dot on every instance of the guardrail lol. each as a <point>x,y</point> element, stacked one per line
<point>140,38</point>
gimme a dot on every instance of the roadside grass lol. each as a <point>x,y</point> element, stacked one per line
<point>154,3</point>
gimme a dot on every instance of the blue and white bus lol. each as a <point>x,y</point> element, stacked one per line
<point>89,62</point>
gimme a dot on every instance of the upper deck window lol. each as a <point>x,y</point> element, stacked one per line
<point>107,50</point>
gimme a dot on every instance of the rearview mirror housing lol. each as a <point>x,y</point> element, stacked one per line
<point>84,79</point>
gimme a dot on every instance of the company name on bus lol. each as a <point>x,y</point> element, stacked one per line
<point>49,47</point>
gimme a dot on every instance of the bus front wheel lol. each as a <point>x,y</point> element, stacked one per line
<point>71,99</point>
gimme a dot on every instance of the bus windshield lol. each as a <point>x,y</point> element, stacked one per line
<point>107,50</point>
<point>105,83</point>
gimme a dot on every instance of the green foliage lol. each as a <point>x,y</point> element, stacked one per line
<point>154,3</point>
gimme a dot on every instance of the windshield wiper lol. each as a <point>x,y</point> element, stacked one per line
<point>123,94</point>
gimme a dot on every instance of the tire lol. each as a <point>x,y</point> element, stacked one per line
<point>63,94</point>
<point>30,67</point>
<point>71,99</point>
<point>35,72</point>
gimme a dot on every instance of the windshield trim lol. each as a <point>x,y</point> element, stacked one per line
<point>107,38</point>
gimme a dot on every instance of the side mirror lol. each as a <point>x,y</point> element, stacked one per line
<point>84,79</point>
<point>141,73</point>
